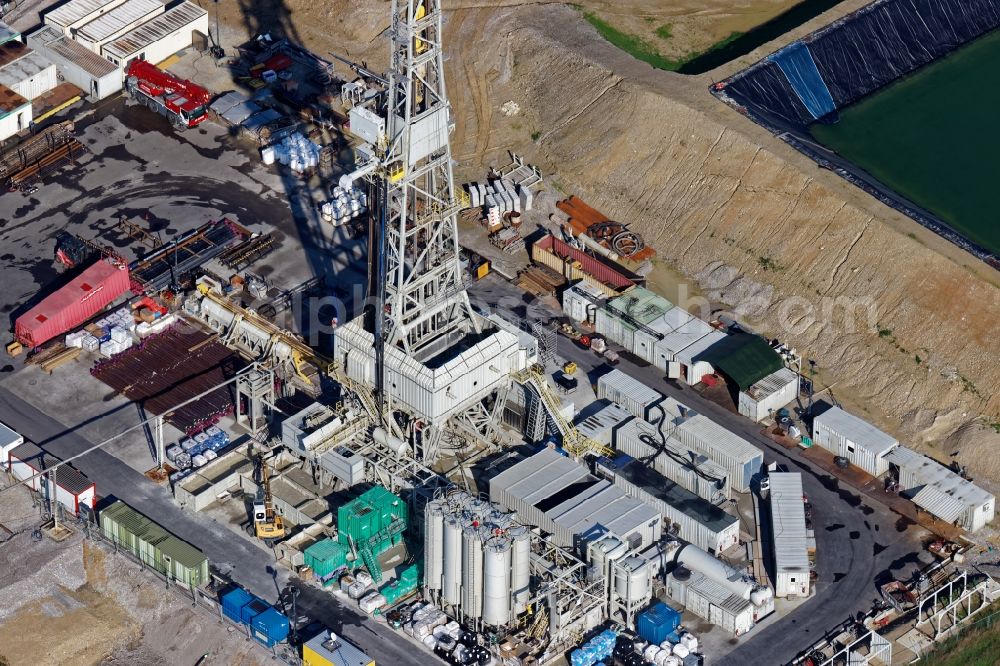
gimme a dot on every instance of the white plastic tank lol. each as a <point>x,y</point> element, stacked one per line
<point>690,642</point>
<point>672,660</point>
<point>632,579</point>
<point>451,580</point>
<point>496,575</point>
<point>649,654</point>
<point>761,595</point>
<point>520,577</point>
<point>472,572</point>
<point>681,650</point>
<point>433,545</point>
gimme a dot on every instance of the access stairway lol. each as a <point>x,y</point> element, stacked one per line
<point>575,443</point>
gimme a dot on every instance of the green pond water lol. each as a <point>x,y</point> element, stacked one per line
<point>934,137</point>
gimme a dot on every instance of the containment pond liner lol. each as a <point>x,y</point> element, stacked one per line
<point>933,137</point>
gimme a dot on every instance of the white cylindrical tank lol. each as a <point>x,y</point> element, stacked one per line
<point>451,579</point>
<point>434,545</point>
<point>696,559</point>
<point>649,654</point>
<point>472,572</point>
<point>681,650</point>
<point>496,577</point>
<point>672,660</point>
<point>393,443</point>
<point>632,579</point>
<point>520,577</point>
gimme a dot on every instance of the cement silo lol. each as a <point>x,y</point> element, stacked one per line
<point>434,545</point>
<point>496,575</point>
<point>520,576</point>
<point>472,572</point>
<point>451,579</point>
<point>632,579</point>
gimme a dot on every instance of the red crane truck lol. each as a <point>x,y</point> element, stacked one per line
<point>184,103</point>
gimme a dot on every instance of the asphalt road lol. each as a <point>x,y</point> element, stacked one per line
<point>857,543</point>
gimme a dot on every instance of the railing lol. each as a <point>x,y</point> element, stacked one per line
<point>575,443</point>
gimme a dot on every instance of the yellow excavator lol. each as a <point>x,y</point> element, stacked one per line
<point>267,524</point>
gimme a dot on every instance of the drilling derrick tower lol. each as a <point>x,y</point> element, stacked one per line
<point>430,369</point>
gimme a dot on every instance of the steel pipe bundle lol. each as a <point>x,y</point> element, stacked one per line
<point>168,368</point>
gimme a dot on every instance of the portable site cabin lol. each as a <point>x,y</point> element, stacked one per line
<point>116,22</point>
<point>26,72</point>
<point>848,436</point>
<point>788,532</point>
<point>72,489</point>
<point>97,76</point>
<point>769,394</point>
<point>159,38</point>
<point>15,113</point>
<point>940,491</point>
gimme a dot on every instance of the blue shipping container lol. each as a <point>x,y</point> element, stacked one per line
<point>658,623</point>
<point>270,627</point>
<point>252,610</point>
<point>233,602</point>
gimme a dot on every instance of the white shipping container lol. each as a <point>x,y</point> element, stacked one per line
<point>741,459</point>
<point>690,470</point>
<point>634,396</point>
<point>701,523</point>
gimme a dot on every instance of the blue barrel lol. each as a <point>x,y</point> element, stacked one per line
<point>252,610</point>
<point>270,627</point>
<point>234,601</point>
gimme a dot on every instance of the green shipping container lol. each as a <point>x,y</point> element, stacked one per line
<point>325,556</point>
<point>153,545</point>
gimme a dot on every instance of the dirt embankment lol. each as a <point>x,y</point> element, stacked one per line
<point>900,323</point>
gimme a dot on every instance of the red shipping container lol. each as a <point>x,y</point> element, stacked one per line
<point>88,293</point>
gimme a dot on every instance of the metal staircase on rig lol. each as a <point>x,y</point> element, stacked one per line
<point>574,442</point>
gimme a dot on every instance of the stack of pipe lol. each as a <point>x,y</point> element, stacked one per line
<point>170,367</point>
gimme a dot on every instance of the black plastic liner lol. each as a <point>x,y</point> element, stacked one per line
<point>867,50</point>
<point>856,56</point>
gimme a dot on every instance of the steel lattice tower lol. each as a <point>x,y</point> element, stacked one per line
<point>422,296</point>
<point>428,368</point>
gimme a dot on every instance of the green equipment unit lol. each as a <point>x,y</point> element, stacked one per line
<point>154,546</point>
<point>372,524</point>
<point>326,556</point>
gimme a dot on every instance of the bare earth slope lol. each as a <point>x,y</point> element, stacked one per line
<point>754,222</point>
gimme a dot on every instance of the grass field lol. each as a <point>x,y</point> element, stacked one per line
<point>933,138</point>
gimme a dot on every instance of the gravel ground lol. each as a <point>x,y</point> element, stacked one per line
<point>98,607</point>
